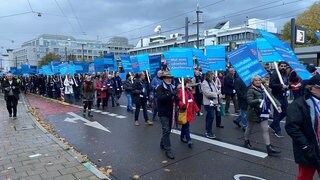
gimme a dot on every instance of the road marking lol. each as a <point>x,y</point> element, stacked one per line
<point>94,124</point>
<point>97,111</point>
<point>121,117</point>
<point>238,176</point>
<point>112,114</point>
<point>105,113</point>
<point>225,145</point>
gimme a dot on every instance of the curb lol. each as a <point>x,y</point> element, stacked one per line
<point>88,165</point>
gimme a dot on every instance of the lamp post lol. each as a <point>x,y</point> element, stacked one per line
<point>198,22</point>
<point>66,52</point>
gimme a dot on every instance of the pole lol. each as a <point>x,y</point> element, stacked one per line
<point>82,52</point>
<point>278,72</point>
<point>183,95</point>
<point>16,62</point>
<point>198,22</point>
<point>293,33</point>
<point>65,51</point>
<point>186,32</point>
<point>270,97</point>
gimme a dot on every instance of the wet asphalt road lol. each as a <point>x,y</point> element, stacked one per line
<point>134,150</point>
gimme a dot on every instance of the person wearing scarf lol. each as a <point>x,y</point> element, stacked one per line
<point>87,93</point>
<point>258,112</point>
<point>303,126</point>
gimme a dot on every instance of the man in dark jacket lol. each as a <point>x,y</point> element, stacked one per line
<point>11,94</point>
<point>118,87</point>
<point>230,91</point>
<point>167,101</point>
<point>303,125</point>
<point>281,93</point>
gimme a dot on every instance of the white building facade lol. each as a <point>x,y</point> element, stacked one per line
<point>69,48</point>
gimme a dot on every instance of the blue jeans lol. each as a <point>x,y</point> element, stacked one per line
<point>242,118</point>
<point>185,131</point>
<point>129,98</point>
<point>209,118</point>
<point>277,117</point>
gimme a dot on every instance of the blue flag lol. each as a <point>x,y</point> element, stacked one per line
<point>216,56</point>
<point>99,64</point>
<point>246,64</point>
<point>135,65</point>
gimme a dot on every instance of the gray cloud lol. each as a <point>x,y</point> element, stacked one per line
<point>105,18</point>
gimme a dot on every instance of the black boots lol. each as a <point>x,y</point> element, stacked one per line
<point>247,144</point>
<point>271,151</point>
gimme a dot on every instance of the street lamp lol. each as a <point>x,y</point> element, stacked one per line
<point>198,21</point>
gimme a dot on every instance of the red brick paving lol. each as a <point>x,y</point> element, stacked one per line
<point>48,107</point>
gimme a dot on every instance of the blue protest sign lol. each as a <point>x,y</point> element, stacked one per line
<point>216,56</point>
<point>254,49</point>
<point>126,62</point>
<point>91,68</point>
<point>143,61</point>
<point>68,69</point>
<point>109,62</point>
<point>180,63</point>
<point>25,68</point>
<point>155,64</point>
<point>246,65</point>
<point>135,65</point>
<point>33,69</point>
<point>99,64</point>
<point>55,66</point>
<point>46,70</point>
<point>13,70</point>
<point>122,76</point>
<point>81,66</point>
<point>201,59</point>
<point>294,63</point>
<point>267,52</point>
<point>318,35</point>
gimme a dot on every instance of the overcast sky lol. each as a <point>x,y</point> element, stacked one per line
<point>92,19</point>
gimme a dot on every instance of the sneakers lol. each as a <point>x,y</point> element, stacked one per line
<point>278,134</point>
<point>236,123</point>
<point>190,144</point>
<point>10,115</point>
<point>149,123</point>
<point>210,136</point>
<point>136,123</point>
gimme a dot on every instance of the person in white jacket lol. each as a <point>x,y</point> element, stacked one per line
<point>68,89</point>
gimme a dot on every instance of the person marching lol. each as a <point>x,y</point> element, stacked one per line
<point>191,107</point>
<point>11,94</point>
<point>127,86</point>
<point>258,112</point>
<point>87,92</point>
<point>167,101</point>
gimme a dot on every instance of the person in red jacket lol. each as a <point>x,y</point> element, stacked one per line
<point>101,88</point>
<point>190,105</point>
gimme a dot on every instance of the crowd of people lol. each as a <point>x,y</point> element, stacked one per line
<point>164,94</point>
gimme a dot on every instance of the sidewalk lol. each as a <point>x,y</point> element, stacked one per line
<point>29,152</point>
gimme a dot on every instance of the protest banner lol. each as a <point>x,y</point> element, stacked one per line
<point>126,62</point>
<point>180,63</point>
<point>201,59</point>
<point>246,64</point>
<point>155,64</point>
<point>216,57</point>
